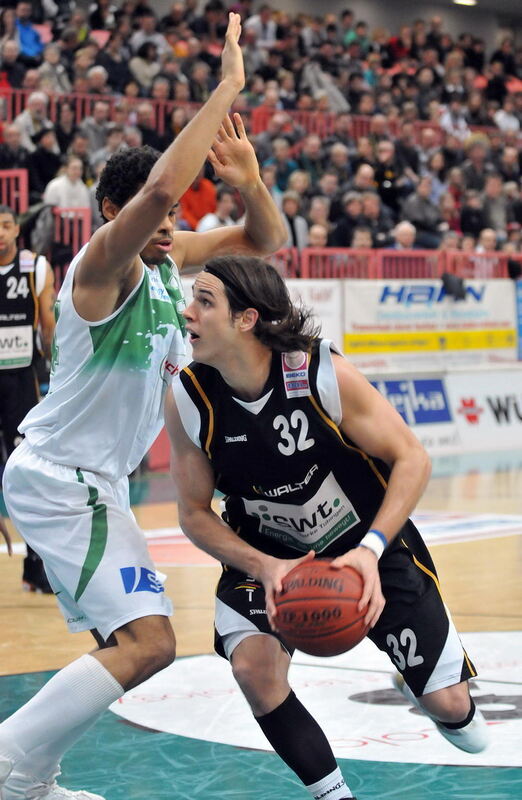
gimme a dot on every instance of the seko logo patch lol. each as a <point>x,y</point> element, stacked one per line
<point>312,524</point>
<point>419,402</point>
<point>140,580</point>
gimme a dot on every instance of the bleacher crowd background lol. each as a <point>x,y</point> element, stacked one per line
<point>373,140</point>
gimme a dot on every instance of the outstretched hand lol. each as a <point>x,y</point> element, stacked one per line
<point>7,537</point>
<point>233,156</point>
<point>232,67</point>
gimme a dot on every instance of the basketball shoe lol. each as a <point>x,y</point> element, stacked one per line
<point>23,787</point>
<point>473,737</point>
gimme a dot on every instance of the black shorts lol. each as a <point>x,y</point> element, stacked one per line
<point>414,629</point>
<point>18,394</point>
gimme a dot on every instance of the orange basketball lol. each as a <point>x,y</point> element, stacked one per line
<point>317,608</point>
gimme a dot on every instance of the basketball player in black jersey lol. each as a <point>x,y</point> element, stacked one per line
<point>310,457</point>
<point>26,309</point>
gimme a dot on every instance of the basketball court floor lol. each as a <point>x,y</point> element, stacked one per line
<point>187,733</point>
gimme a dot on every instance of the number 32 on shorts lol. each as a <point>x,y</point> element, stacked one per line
<point>404,649</point>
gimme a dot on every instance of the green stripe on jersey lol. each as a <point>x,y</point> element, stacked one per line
<point>98,537</point>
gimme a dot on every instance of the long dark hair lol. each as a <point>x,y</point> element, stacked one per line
<point>252,283</point>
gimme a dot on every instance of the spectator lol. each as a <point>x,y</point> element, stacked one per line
<point>53,72</point>
<point>12,70</point>
<point>328,186</point>
<point>496,88</point>
<point>505,55</point>
<point>406,150</point>
<point>310,158</point>
<point>487,241</point>
<point>144,66</point>
<point>319,212</point>
<point>424,214</point>
<point>471,215</point>
<point>449,212</point>
<point>341,235</point>
<point>147,33</point>
<point>505,118</point>
<point>68,190</point>
<point>146,124</point>
<point>450,241</point>
<point>97,80</point>
<point>264,27</point>
<point>475,109</point>
<point>65,127</point>
<point>212,24</point>
<point>477,166</point>
<point>268,176</point>
<point>114,58</point>
<point>43,163</point>
<point>436,170</point>
<point>339,161</point>
<point>361,238</point>
<point>404,235</point>
<point>115,142</point>
<point>80,148</point>
<point>376,218</point>
<point>12,153</point>
<point>285,165</point>
<point>198,200</point>
<point>222,216</point>
<point>33,119</point>
<point>29,40</point>
<point>495,206</point>
<point>96,126</point>
<point>201,82</point>
<point>392,184</point>
<point>300,182</point>
<point>296,225</point>
<point>318,235</point>
<point>103,15</point>
<point>453,119</point>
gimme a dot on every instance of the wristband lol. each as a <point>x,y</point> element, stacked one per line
<point>375,541</point>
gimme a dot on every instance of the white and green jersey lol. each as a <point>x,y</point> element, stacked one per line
<point>108,378</point>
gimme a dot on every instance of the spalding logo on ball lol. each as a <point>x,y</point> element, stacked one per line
<point>317,608</point>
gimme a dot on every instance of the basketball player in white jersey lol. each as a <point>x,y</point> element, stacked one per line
<point>119,340</point>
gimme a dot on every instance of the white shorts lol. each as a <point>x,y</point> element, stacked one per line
<point>82,527</point>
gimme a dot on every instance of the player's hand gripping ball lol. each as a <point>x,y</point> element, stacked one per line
<point>317,608</point>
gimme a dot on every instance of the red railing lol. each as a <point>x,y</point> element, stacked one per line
<point>331,262</point>
<point>72,229</point>
<point>14,191</point>
<point>12,103</point>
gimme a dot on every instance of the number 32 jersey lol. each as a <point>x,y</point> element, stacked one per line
<point>292,480</point>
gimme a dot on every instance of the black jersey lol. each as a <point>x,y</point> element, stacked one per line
<point>292,480</point>
<point>19,310</point>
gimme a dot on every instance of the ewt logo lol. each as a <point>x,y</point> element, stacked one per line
<point>425,294</point>
<point>143,581</point>
<point>419,402</point>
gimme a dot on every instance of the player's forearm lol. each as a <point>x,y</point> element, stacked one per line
<point>208,532</point>
<point>263,222</point>
<point>180,163</point>
<point>406,485</point>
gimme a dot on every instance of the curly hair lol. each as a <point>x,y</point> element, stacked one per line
<point>124,174</point>
<point>252,283</point>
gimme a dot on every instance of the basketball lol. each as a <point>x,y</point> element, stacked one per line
<point>317,608</point>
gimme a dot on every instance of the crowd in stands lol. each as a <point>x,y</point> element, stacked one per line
<point>436,165</point>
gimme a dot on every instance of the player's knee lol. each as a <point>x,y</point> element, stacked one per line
<point>453,704</point>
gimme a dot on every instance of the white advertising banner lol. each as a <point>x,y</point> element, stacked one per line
<point>487,408</point>
<point>325,298</point>
<point>416,324</point>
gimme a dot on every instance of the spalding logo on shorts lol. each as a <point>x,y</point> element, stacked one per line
<point>143,581</point>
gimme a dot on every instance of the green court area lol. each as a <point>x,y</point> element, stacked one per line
<point>124,762</point>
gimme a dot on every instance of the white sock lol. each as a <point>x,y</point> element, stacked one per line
<point>43,763</point>
<point>332,787</point>
<point>74,695</point>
